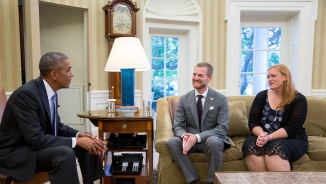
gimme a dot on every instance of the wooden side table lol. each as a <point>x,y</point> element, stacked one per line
<point>113,123</point>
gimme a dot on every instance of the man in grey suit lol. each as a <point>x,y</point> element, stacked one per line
<point>201,124</point>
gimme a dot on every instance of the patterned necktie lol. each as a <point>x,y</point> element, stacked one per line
<point>199,109</point>
<point>54,124</point>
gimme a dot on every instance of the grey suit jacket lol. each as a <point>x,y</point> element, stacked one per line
<point>215,116</point>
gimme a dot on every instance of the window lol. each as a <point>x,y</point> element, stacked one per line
<point>297,37</point>
<point>165,67</point>
<point>260,49</point>
<point>170,51</point>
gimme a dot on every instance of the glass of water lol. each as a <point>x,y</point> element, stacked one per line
<point>147,107</point>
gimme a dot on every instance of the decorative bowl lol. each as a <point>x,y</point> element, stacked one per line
<point>126,112</point>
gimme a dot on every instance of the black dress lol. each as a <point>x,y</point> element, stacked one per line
<point>291,120</point>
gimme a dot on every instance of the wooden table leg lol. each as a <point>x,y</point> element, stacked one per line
<point>150,155</point>
<point>100,134</point>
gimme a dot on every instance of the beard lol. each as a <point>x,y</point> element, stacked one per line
<point>201,85</point>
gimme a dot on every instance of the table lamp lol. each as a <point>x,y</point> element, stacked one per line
<point>127,55</point>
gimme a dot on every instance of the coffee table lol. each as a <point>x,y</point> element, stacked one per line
<point>269,177</point>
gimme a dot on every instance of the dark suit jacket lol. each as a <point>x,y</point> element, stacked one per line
<point>215,118</point>
<point>26,128</point>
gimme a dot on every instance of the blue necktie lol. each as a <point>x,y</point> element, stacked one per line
<point>54,124</point>
<point>199,109</point>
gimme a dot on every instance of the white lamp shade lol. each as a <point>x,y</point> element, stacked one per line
<point>127,53</point>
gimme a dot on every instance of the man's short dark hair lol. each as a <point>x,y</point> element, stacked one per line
<point>51,61</point>
<point>208,66</point>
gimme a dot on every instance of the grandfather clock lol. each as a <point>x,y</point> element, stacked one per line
<point>120,21</point>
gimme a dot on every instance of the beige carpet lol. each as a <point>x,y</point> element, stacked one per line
<point>79,176</point>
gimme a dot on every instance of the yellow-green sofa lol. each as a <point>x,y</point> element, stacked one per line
<point>169,172</point>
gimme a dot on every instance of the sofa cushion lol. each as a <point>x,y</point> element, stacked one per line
<point>238,125</point>
<point>238,141</point>
<point>198,157</point>
<point>246,98</point>
<point>231,154</point>
<point>173,102</point>
<point>315,122</point>
<point>305,158</point>
<point>317,148</point>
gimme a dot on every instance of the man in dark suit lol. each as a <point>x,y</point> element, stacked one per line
<point>32,138</point>
<point>205,114</point>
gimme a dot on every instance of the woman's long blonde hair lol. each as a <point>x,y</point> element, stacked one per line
<point>289,91</point>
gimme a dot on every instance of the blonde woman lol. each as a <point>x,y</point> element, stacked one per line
<point>276,123</point>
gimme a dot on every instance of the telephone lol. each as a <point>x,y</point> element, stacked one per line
<point>127,164</point>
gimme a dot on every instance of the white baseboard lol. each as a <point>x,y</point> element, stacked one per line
<point>318,93</point>
<point>100,97</point>
<point>223,92</point>
<point>8,94</point>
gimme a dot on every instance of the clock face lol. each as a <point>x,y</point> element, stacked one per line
<point>122,20</point>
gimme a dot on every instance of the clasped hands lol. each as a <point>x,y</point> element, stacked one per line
<point>189,140</point>
<point>262,139</point>
<point>90,143</point>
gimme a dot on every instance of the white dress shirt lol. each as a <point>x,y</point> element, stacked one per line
<point>50,93</point>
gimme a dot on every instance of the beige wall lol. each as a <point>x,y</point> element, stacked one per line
<point>214,36</point>
<point>97,45</point>
<point>319,64</point>
<point>32,41</point>
<point>10,76</point>
<point>62,30</point>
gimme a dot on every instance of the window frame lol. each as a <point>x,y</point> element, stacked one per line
<point>301,15</point>
<point>182,62</point>
<point>191,55</point>
<point>284,59</point>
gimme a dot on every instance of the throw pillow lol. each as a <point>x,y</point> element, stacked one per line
<point>238,125</point>
<point>172,102</point>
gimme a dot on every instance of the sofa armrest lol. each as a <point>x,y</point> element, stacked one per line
<point>163,127</point>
